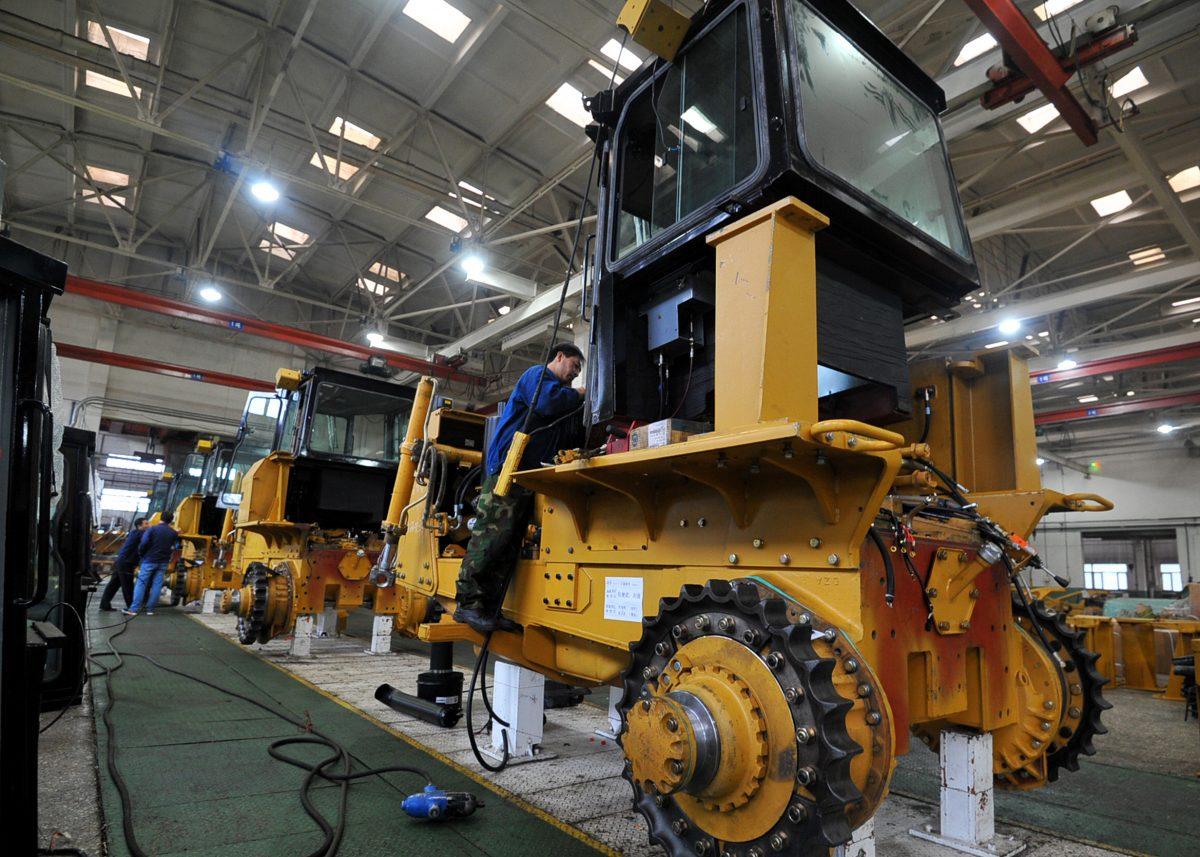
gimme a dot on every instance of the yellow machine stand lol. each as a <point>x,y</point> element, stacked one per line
<point>786,598</point>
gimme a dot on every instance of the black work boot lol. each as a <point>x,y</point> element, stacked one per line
<point>479,620</point>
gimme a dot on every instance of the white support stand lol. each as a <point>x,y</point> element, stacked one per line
<point>614,717</point>
<point>381,636</point>
<point>861,844</point>
<point>518,697</point>
<point>327,622</point>
<point>968,809</point>
<point>302,637</point>
<point>211,601</point>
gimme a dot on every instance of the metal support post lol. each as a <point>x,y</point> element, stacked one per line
<point>518,698</point>
<point>211,601</point>
<point>302,637</point>
<point>968,815</point>
<point>381,636</point>
<point>861,844</point>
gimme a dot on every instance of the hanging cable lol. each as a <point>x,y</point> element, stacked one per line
<point>889,570</point>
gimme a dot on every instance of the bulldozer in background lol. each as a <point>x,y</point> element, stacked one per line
<point>203,560</point>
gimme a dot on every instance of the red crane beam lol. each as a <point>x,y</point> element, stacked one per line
<point>1125,363</point>
<point>1025,47</point>
<point>157,367</point>
<point>1116,409</point>
<point>110,293</point>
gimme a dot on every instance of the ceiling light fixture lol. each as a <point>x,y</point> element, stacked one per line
<point>1186,301</point>
<point>375,338</point>
<point>505,309</point>
<point>472,264</point>
<point>1166,428</point>
<point>999,344</point>
<point>1088,399</point>
<point>1009,326</point>
<point>1040,461</point>
<point>1064,365</point>
<point>264,191</point>
<point>211,294</point>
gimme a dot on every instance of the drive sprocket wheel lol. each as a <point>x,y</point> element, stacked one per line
<point>262,603</point>
<point>734,732</point>
<point>1084,697</point>
<point>179,582</point>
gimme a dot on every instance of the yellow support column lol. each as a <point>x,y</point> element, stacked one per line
<point>402,487</point>
<point>766,334</point>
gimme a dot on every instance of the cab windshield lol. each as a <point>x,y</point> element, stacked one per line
<point>864,127</point>
<point>186,481</point>
<point>215,468</point>
<point>158,496</point>
<point>255,441</point>
<point>364,425</point>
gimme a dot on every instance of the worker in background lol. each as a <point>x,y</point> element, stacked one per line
<point>500,522</point>
<point>155,548</point>
<point>123,568</point>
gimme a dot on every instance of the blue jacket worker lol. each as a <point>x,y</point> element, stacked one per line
<point>155,548</point>
<point>500,522</point>
<point>122,570</point>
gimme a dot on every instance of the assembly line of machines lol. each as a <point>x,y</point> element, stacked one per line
<point>785,595</point>
<point>824,554</point>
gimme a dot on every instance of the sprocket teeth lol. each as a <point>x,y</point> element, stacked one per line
<point>720,589</point>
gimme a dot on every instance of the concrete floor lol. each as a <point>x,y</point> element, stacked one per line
<point>583,785</point>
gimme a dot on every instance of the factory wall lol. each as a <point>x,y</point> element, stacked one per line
<point>1157,489</point>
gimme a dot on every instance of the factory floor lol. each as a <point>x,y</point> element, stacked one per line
<point>202,783</point>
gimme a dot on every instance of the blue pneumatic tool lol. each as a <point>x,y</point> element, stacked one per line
<point>438,805</point>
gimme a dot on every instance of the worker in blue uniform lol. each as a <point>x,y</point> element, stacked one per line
<point>155,548</point>
<point>500,522</point>
<point>123,568</point>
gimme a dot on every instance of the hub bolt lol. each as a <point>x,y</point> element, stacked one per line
<point>1076,690</point>
<point>1074,712</point>
<point>804,619</point>
<point>758,543</point>
<point>814,542</point>
<point>703,846</point>
<point>1045,726</point>
<point>873,718</point>
<point>793,694</point>
<point>702,522</point>
<point>733,558</point>
<point>780,840</point>
<point>830,635</point>
<point>943,626</point>
<point>806,776</point>
<point>676,767</point>
<point>833,559</point>
<point>661,649</point>
<point>702,623</point>
<point>775,660</point>
<point>660,800</point>
<point>784,558</point>
<point>672,724</point>
<point>677,632</point>
<point>974,593</point>
<point>864,690</point>
<point>679,826</point>
<point>1048,705</point>
<point>804,735</point>
<point>851,665</point>
<point>965,625</point>
<point>754,852</point>
<point>645,705</point>
<point>797,813</point>
<point>726,624</point>
<point>750,637</point>
<point>648,673</point>
<point>1037,745</point>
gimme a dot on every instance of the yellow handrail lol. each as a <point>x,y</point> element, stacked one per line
<point>876,439</point>
<point>1084,502</point>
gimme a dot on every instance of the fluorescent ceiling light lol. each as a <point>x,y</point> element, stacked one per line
<point>1144,257</point>
<point>386,271</point>
<point>465,200</point>
<point>607,73</point>
<point>124,41</point>
<point>210,294</point>
<point>132,462</point>
<point>623,57</point>
<point>1084,400</point>
<point>1036,120</point>
<point>1040,461</point>
<point>264,191</point>
<point>1045,334</point>
<point>1066,364</point>
<point>110,177</point>
<point>1050,8</point>
<point>447,219</point>
<point>1132,80</point>
<point>568,101</point>
<point>354,133</point>
<point>439,16</point>
<point>345,170</point>
<point>375,338</point>
<point>1186,301</point>
<point>999,344</point>
<point>1166,428</point>
<point>694,117</point>
<point>371,286</point>
<point>109,84</point>
<point>1130,393</point>
<point>1111,204</point>
<point>1185,180</point>
<point>504,309</point>
<point>978,46</point>
<point>1009,326</point>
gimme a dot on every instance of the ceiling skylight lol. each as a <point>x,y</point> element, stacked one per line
<point>285,234</point>
<point>623,57</point>
<point>386,272</point>
<point>439,16</point>
<point>607,73</point>
<point>568,101</point>
<point>373,287</point>
<point>1132,80</point>
<point>354,133</point>
<point>1050,8</point>
<point>1036,120</point>
<point>344,170</point>
<point>1112,203</point>
<point>100,175</point>
<point>1185,180</point>
<point>977,47</point>
<point>109,84</point>
<point>445,218</point>
<point>124,41</point>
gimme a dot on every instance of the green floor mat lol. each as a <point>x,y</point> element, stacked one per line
<point>202,783</point>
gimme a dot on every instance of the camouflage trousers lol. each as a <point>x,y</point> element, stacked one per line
<point>495,545</point>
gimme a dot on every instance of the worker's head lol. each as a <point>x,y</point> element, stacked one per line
<point>567,362</point>
<point>168,516</point>
<point>138,523</point>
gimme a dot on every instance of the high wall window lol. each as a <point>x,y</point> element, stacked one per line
<point>1170,576</point>
<point>1106,575</point>
<point>688,136</point>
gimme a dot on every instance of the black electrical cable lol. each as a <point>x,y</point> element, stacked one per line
<point>888,569</point>
<point>688,385</point>
<point>82,660</point>
<point>928,415</point>
<point>1014,576</point>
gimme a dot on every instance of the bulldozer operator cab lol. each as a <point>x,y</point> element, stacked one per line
<point>343,432</point>
<point>159,495</point>
<point>767,99</point>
